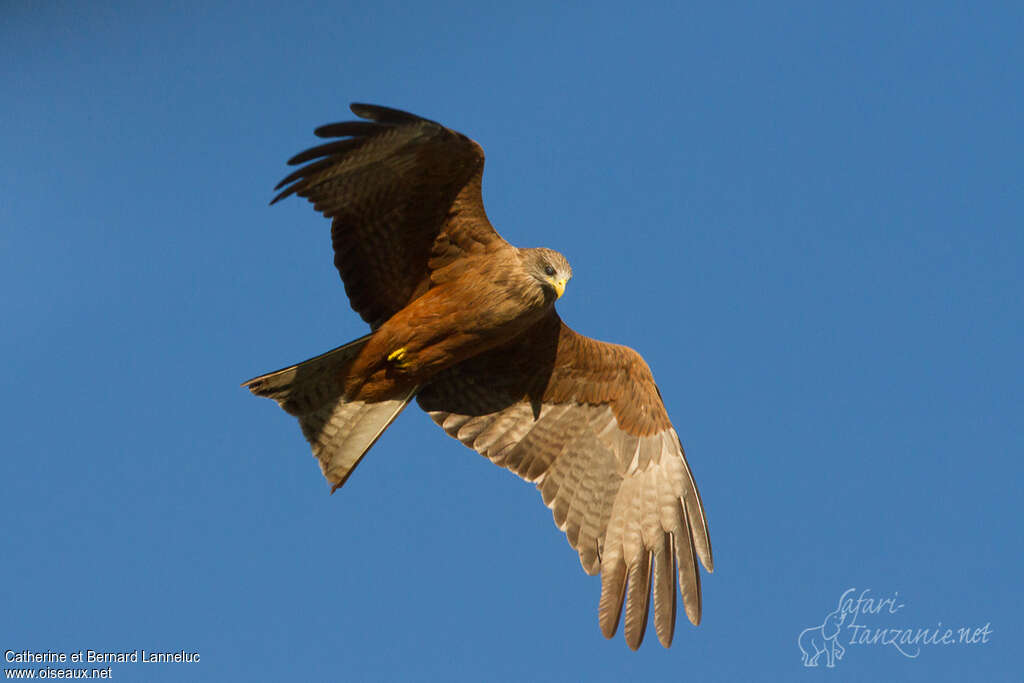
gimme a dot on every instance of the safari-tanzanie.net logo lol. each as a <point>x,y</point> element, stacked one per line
<point>865,620</point>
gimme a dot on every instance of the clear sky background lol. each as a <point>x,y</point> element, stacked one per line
<point>808,218</point>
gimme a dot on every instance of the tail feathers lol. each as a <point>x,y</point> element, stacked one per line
<point>306,387</point>
<point>340,432</point>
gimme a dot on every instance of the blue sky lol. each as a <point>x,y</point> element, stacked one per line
<point>807,218</point>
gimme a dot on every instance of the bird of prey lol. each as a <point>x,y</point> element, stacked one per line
<point>465,323</point>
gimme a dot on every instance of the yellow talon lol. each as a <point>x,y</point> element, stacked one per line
<point>398,358</point>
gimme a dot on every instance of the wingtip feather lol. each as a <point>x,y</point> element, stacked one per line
<point>613,588</point>
<point>638,601</point>
<point>689,574</point>
<point>663,586</point>
<point>376,112</point>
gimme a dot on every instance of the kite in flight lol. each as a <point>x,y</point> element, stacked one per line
<point>465,323</point>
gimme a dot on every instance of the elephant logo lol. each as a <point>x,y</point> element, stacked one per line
<point>817,640</point>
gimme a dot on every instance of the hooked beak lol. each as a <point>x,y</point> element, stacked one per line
<point>559,286</point>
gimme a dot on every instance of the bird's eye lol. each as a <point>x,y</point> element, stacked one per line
<point>549,271</point>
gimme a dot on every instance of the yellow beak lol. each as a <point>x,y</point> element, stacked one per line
<point>559,286</point>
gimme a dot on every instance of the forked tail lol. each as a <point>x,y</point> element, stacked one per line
<point>340,432</point>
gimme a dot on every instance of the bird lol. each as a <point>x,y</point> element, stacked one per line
<point>465,323</point>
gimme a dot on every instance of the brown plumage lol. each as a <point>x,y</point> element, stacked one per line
<point>465,322</point>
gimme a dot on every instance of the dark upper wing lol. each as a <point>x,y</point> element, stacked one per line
<point>585,422</point>
<point>404,196</point>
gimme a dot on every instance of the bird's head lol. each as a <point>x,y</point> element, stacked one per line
<point>549,268</point>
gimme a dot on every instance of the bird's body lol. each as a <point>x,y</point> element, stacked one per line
<point>465,323</point>
<point>450,322</point>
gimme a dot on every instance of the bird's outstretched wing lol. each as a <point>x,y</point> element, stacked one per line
<point>403,193</point>
<point>584,421</point>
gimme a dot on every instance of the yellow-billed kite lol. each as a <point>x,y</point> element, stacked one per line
<point>465,323</point>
